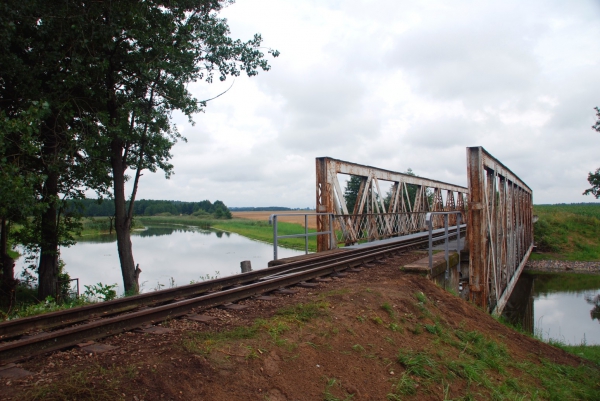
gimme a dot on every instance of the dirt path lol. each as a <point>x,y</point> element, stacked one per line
<point>343,340</point>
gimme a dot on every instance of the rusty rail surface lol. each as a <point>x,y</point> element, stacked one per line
<point>370,217</point>
<point>201,296</point>
<point>500,229</point>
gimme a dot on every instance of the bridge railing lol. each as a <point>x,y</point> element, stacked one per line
<point>276,237</point>
<point>375,214</point>
<point>500,227</point>
<point>446,216</point>
<point>351,229</point>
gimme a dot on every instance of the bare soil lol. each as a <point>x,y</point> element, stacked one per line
<point>344,350</point>
<point>264,216</point>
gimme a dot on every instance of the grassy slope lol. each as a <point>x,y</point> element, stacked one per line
<point>569,232</point>
<point>401,356</point>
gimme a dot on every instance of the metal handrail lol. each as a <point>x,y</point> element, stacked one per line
<point>273,221</point>
<point>429,220</point>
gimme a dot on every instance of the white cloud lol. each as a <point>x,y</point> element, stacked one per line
<point>397,84</point>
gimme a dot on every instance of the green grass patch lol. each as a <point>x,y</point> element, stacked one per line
<point>263,231</point>
<point>569,232</point>
<point>334,386</point>
<point>490,372</point>
<point>564,282</point>
<point>589,352</point>
<point>93,383</point>
<point>283,321</point>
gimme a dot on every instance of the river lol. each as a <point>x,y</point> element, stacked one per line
<point>168,255</point>
<point>562,307</point>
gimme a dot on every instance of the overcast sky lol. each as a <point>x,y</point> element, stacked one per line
<point>397,85</point>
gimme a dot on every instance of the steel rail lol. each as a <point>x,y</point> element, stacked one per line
<point>17,327</point>
<point>59,339</point>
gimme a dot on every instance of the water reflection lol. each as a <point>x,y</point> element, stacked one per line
<point>595,312</point>
<point>563,307</point>
<point>168,255</point>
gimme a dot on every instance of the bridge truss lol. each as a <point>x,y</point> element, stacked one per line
<point>500,229</point>
<point>410,199</point>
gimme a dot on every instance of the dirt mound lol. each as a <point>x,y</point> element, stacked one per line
<point>375,335</point>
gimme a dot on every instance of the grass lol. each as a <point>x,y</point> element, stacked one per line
<point>485,365</point>
<point>284,320</point>
<point>569,232</point>
<point>94,383</point>
<point>564,282</point>
<point>589,352</point>
<point>331,386</point>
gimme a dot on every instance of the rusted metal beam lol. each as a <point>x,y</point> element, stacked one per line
<point>369,218</point>
<point>500,229</point>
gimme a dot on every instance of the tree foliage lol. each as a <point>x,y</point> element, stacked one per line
<point>148,207</point>
<point>594,178</point>
<point>105,77</point>
<point>351,192</point>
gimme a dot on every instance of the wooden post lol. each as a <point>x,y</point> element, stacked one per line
<point>246,266</point>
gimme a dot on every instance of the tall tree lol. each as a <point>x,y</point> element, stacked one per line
<point>41,63</point>
<point>351,192</point>
<point>594,178</point>
<point>146,54</point>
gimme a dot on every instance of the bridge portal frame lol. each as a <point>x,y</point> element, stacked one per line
<point>330,197</point>
<point>500,227</point>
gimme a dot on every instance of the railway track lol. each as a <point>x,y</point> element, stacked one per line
<point>73,326</point>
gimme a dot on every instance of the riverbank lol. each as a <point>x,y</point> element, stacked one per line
<point>567,232</point>
<point>563,266</point>
<point>379,334</point>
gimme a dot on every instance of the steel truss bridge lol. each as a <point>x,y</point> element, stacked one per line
<point>497,207</point>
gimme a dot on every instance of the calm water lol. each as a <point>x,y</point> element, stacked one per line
<point>560,307</point>
<point>571,317</point>
<point>168,255</point>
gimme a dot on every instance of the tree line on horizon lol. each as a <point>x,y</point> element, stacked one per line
<point>150,207</point>
<point>87,95</point>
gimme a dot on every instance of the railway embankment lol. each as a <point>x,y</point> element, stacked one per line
<point>377,334</point>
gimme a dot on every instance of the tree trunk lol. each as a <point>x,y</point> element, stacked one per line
<point>8,266</point>
<point>123,220</point>
<point>48,267</point>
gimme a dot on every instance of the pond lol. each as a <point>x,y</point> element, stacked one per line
<point>168,255</point>
<point>562,307</point>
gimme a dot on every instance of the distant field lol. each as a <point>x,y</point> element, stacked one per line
<point>570,232</point>
<point>264,216</point>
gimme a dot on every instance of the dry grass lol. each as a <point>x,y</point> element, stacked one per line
<point>264,216</point>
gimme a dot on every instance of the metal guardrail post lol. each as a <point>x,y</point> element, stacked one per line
<point>430,226</point>
<point>459,247</point>
<point>446,254</point>
<point>306,233</point>
<point>429,222</point>
<point>274,237</point>
<point>330,230</point>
